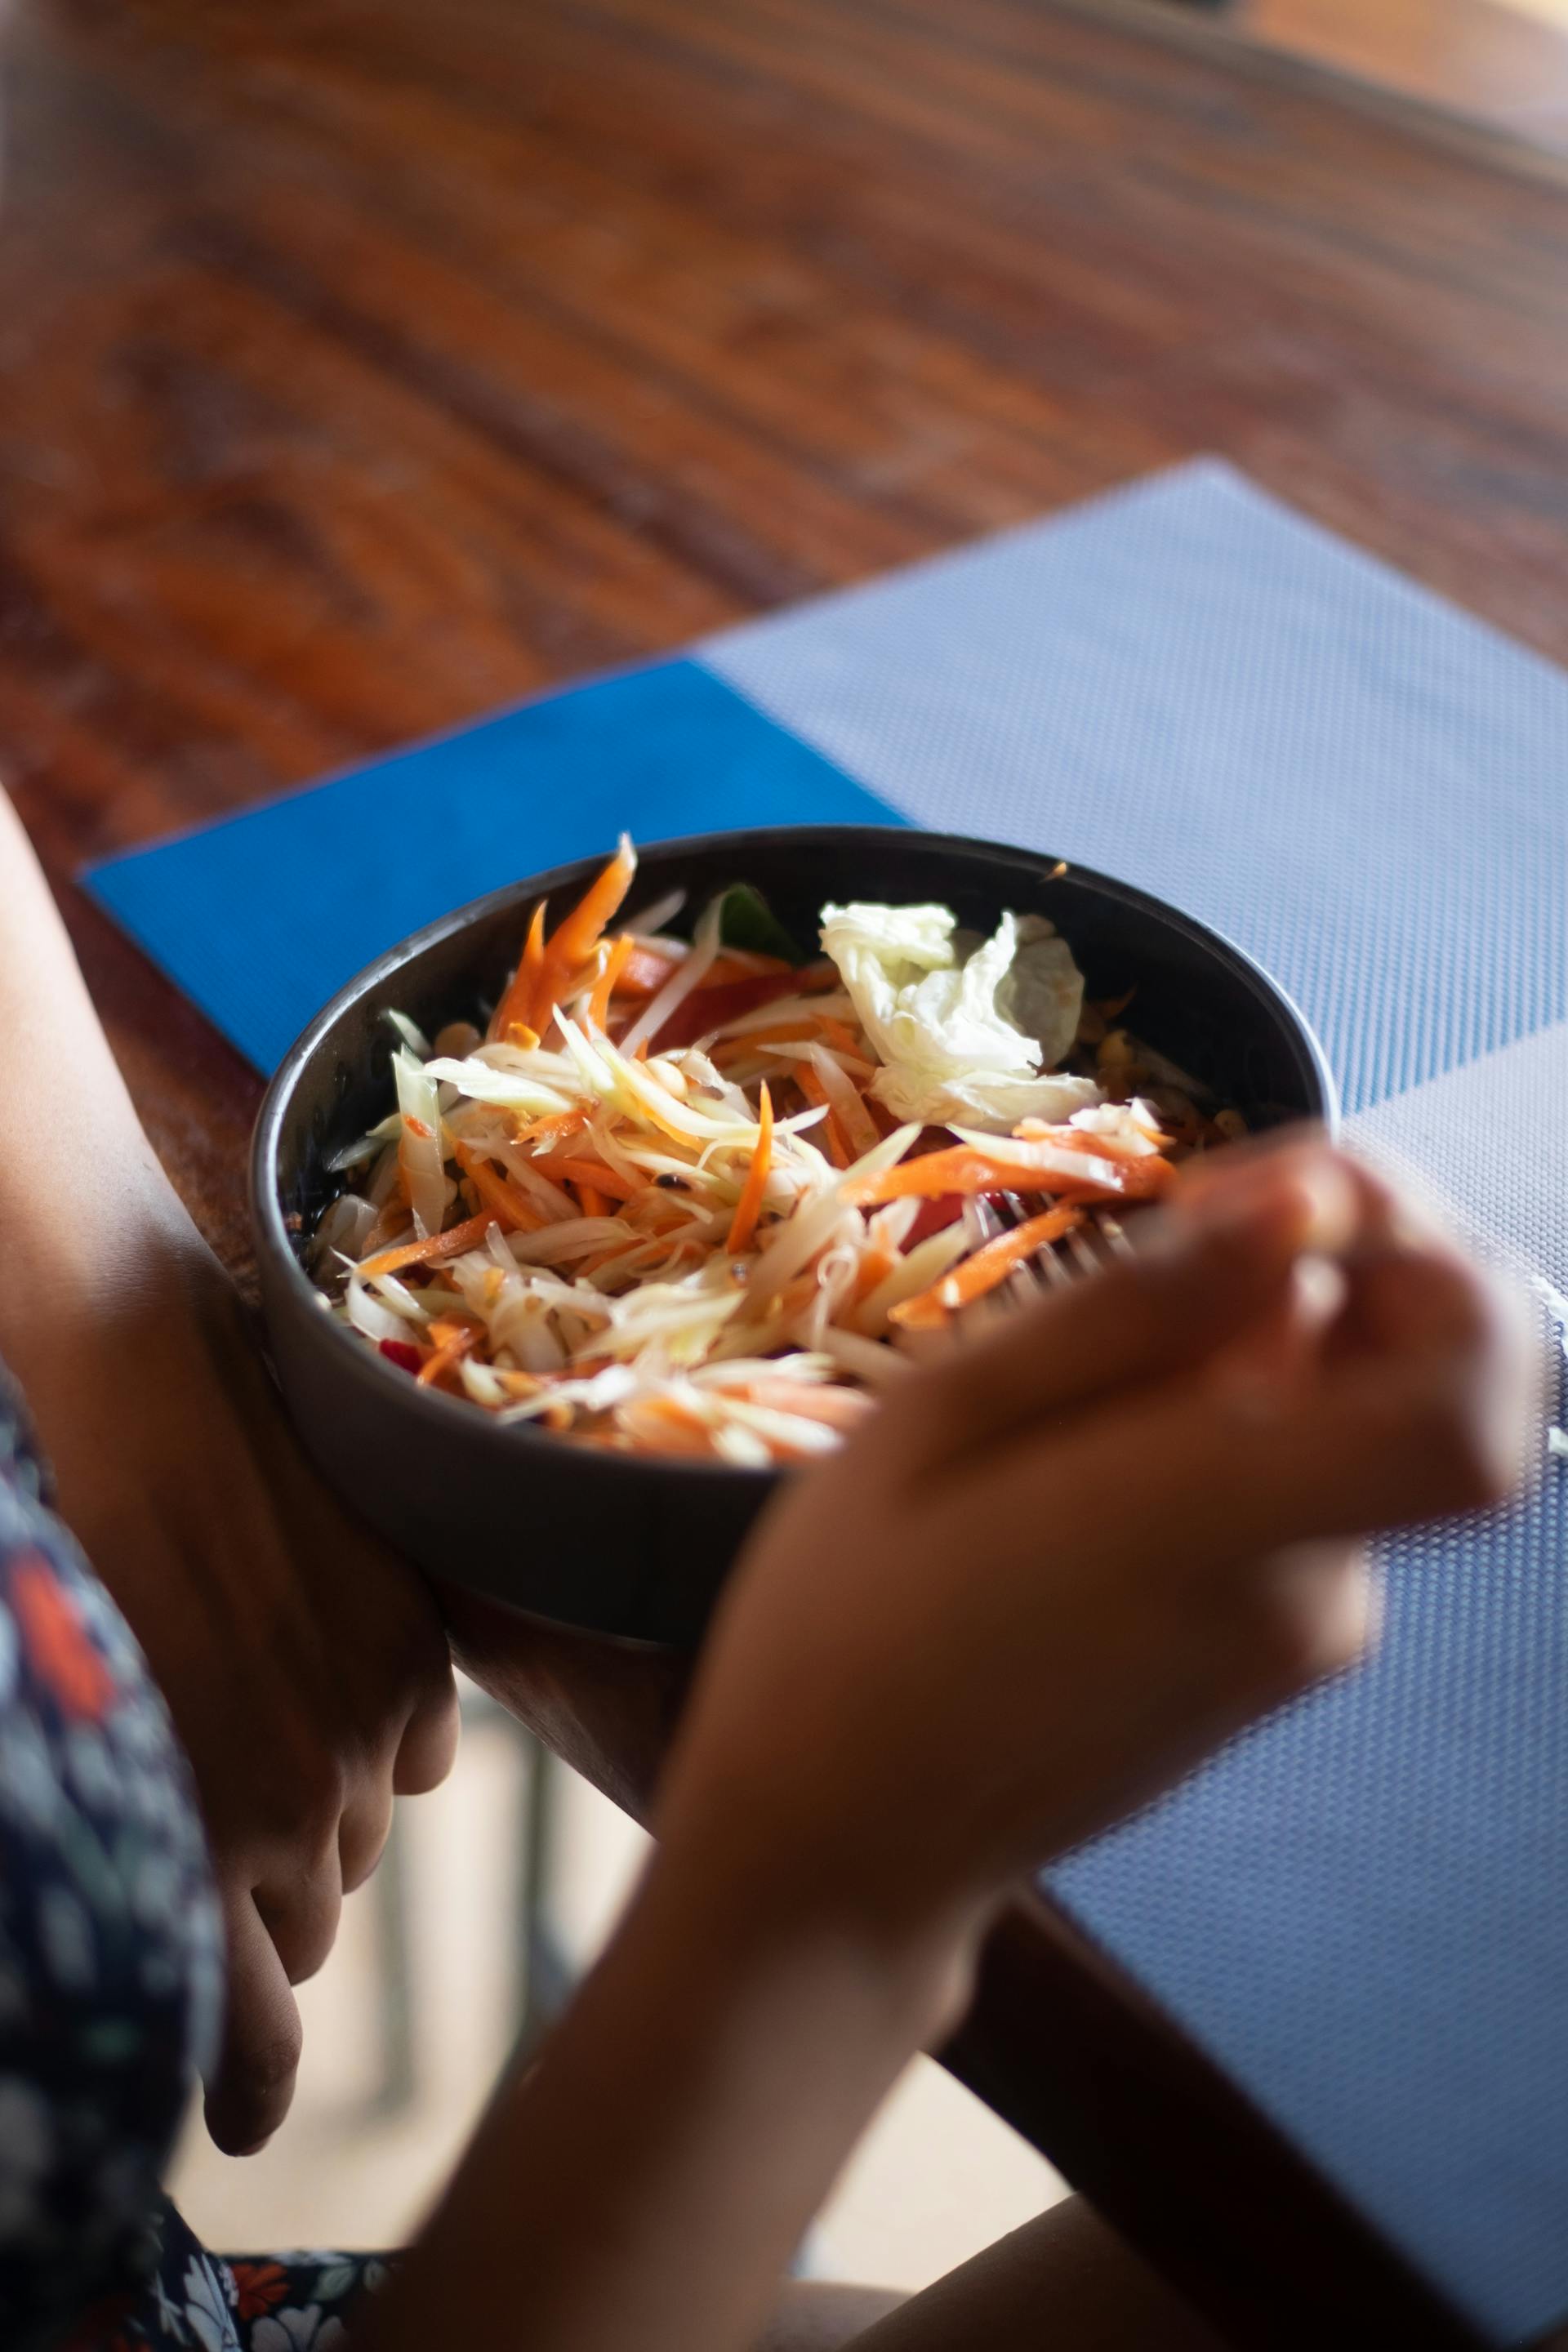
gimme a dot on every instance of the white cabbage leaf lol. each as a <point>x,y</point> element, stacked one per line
<point>970,1038</point>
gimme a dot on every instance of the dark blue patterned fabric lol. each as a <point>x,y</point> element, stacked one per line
<point>111,1983</point>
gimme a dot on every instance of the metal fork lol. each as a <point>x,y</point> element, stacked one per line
<point>1082,1251</point>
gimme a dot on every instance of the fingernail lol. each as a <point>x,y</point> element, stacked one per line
<point>1318,1196</point>
<point>1334,1208</point>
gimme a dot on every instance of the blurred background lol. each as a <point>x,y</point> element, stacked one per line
<point>1504,62</point>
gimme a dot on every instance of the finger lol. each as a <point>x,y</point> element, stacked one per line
<point>1429,1422</point>
<point>1408,1299</point>
<point>248,2093</point>
<point>362,1832</point>
<point>429,1744</point>
<point>1215,1471</point>
<point>1325,1608</point>
<point>1213,1272</point>
<point>421,1760</point>
<point>1394,1286</point>
<point>1208,1167</point>
<point>1382,1205</point>
<point>300,1913</point>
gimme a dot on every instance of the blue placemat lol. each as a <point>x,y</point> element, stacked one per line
<point>1361,1908</point>
<point>263,917</point>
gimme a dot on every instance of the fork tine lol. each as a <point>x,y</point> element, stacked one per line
<point>1045,1269</point>
<point>1084,1250</point>
<point>1087,1256</point>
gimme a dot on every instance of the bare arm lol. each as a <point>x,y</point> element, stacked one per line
<point>84,1205</point>
<point>652,2179</point>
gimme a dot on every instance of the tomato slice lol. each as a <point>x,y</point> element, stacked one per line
<point>403,1353</point>
<point>710,1008</point>
<point>946,1210</point>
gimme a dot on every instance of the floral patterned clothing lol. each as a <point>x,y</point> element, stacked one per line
<point>110,1984</point>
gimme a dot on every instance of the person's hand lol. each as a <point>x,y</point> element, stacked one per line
<point>304,1663</point>
<point>1063,1563</point>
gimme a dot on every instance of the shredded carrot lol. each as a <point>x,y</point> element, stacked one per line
<point>661,1228</point>
<point>645,970</point>
<point>836,1033</point>
<point>876,1264</point>
<point>989,1265</point>
<point>506,1198</point>
<point>966,1171</point>
<point>815,1093</point>
<point>679,1428</point>
<point>590,1200</point>
<point>558,1125</point>
<point>1079,1139</point>
<point>743,1224</point>
<point>732,968</point>
<point>518,1000</point>
<point>573,944</point>
<point>607,1182</point>
<point>451,1243</point>
<point>453,1341</point>
<point>840,1408</point>
<point>517,1032</point>
<point>615,961</point>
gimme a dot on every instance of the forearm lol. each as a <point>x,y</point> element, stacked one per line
<point>72,1125</point>
<point>88,1223</point>
<point>647,2184</point>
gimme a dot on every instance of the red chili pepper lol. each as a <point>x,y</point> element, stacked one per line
<point>403,1353</point>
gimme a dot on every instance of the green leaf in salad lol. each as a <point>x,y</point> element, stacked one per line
<point>746,920</point>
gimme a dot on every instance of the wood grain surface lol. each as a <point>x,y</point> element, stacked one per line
<point>364,363</point>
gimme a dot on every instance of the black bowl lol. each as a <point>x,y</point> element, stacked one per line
<point>628,1545</point>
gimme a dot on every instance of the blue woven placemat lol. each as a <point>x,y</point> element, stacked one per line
<point>1361,1910</point>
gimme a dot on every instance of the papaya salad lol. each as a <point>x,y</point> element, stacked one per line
<point>705,1198</point>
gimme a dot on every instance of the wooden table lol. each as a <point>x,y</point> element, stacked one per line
<point>365,364</point>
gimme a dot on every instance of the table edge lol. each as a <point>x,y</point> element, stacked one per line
<point>1067,2048</point>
